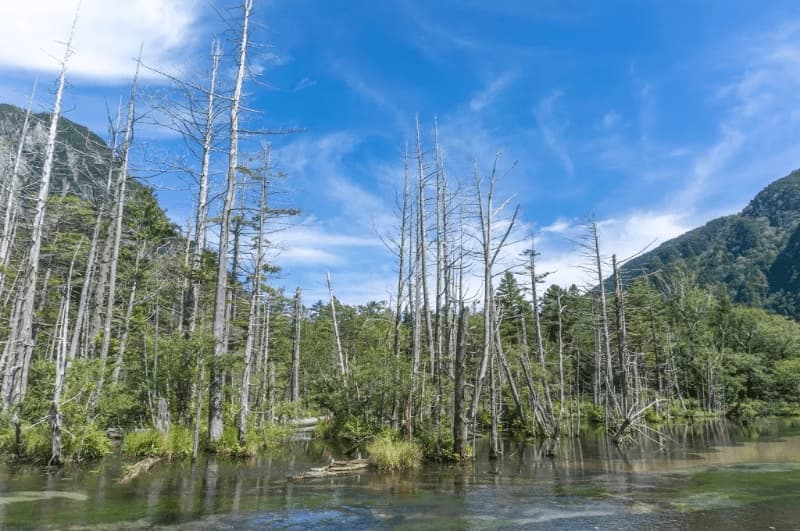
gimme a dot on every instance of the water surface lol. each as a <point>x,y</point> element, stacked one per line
<point>704,476</point>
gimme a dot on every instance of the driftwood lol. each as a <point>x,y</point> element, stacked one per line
<point>137,469</point>
<point>335,469</point>
<point>309,421</point>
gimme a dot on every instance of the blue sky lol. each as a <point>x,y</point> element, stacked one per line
<point>653,116</point>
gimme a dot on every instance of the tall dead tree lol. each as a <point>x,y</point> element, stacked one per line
<point>491,246</point>
<point>422,246</point>
<point>219,325</point>
<point>91,260</point>
<point>294,381</point>
<point>12,197</point>
<point>546,418</point>
<point>201,219</point>
<point>254,316</point>
<point>339,352</point>
<point>401,275</point>
<point>21,340</point>
<point>62,363</point>
<point>122,181</point>
<point>604,362</point>
<point>460,438</point>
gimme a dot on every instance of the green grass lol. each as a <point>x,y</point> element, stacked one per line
<point>150,443</point>
<point>387,453</point>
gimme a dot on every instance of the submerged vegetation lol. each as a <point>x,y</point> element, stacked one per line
<point>117,318</point>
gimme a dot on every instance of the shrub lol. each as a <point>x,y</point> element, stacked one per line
<point>36,443</point>
<point>150,443</point>
<point>144,443</point>
<point>388,453</point>
<point>86,442</point>
<point>179,442</point>
<point>594,414</point>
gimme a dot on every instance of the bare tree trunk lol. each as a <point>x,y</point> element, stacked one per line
<point>220,298</point>
<point>414,297</point>
<point>91,260</point>
<point>560,308</point>
<point>494,408</point>
<point>510,376</point>
<point>12,199</point>
<point>62,363</point>
<point>422,248</point>
<point>460,440</point>
<point>15,377</point>
<point>122,180</point>
<point>126,327</point>
<point>622,336</point>
<point>294,383</point>
<point>199,412</point>
<point>490,248</point>
<point>339,352</point>
<point>201,221</point>
<point>255,303</point>
<point>265,361</point>
<point>398,311</point>
<point>436,369</point>
<point>605,336</point>
<point>550,425</point>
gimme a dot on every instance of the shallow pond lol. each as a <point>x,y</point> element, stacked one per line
<point>704,476</point>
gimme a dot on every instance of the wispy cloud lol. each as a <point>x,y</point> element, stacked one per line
<point>304,84</point>
<point>356,81</point>
<point>486,96</point>
<point>552,128</point>
<point>757,129</point>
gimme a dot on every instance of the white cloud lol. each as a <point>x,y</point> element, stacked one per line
<point>294,255</point>
<point>304,84</point>
<point>107,38</point>
<point>625,236</point>
<point>486,96</point>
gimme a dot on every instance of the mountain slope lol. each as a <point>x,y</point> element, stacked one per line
<point>81,159</point>
<point>755,253</point>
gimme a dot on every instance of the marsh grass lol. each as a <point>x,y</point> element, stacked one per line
<point>388,453</point>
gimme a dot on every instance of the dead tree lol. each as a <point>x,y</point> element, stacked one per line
<point>21,340</point>
<point>12,197</point>
<point>122,180</point>
<point>460,439</point>
<point>91,260</point>
<point>255,301</point>
<point>62,363</point>
<point>201,219</point>
<point>340,354</point>
<point>220,298</point>
<point>490,247</point>
<point>294,382</point>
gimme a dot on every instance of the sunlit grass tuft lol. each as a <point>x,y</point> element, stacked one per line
<point>387,453</point>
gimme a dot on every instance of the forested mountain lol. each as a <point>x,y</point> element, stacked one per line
<point>755,254</point>
<point>80,165</point>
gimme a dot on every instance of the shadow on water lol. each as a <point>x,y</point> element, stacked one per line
<point>709,475</point>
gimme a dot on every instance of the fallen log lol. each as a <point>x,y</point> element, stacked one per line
<point>335,469</point>
<point>308,422</point>
<point>139,468</point>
